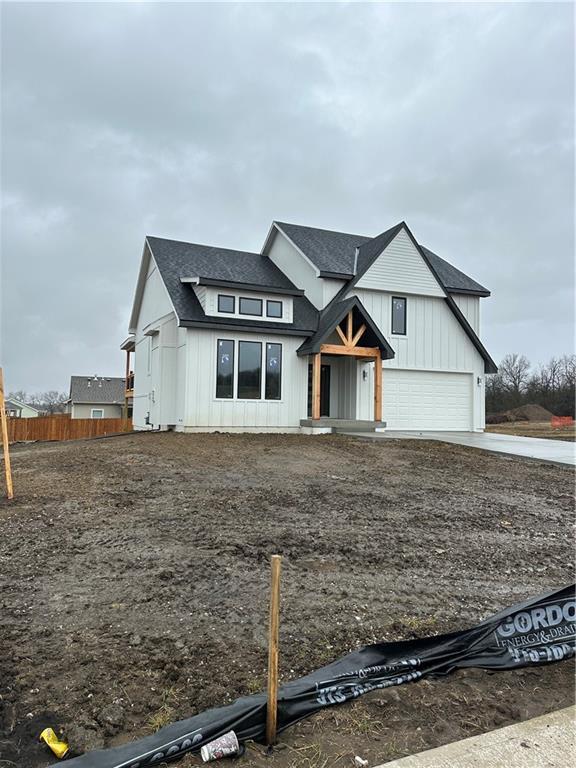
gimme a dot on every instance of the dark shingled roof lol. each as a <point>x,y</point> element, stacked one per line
<point>177,260</point>
<point>332,252</point>
<point>453,280</point>
<point>335,252</point>
<point>97,389</point>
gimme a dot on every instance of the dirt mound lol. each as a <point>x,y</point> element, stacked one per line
<point>530,412</point>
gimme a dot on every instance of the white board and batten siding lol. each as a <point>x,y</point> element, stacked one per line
<point>470,308</point>
<point>205,412</point>
<point>156,378</point>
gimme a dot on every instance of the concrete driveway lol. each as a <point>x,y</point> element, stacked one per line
<point>544,741</point>
<point>557,451</point>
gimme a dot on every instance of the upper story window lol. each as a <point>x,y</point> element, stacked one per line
<point>250,306</point>
<point>273,308</point>
<point>226,303</point>
<point>399,316</point>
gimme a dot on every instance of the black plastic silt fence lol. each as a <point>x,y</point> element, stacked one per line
<point>538,631</point>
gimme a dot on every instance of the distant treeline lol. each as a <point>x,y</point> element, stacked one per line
<point>46,402</point>
<point>553,385</point>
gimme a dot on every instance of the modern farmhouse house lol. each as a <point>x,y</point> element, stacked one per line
<point>317,330</point>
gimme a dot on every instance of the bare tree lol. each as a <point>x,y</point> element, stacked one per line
<point>553,385</point>
<point>53,401</point>
<point>515,373</point>
<point>20,395</point>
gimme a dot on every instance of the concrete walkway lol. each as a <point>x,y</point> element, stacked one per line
<point>556,451</point>
<point>544,742</point>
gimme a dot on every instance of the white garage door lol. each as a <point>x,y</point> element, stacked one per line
<point>425,400</point>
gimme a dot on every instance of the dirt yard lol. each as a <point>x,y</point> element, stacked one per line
<point>134,581</point>
<point>535,429</point>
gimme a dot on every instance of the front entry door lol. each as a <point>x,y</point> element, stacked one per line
<point>324,390</point>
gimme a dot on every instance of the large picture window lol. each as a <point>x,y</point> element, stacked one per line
<point>249,370</point>
<point>399,315</point>
<point>239,370</point>
<point>225,368</point>
<point>273,371</point>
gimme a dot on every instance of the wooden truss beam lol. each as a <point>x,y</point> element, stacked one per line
<point>358,336</point>
<point>342,337</point>
<point>337,349</point>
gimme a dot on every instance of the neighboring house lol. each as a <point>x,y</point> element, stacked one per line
<point>320,326</point>
<point>18,410</point>
<point>96,397</point>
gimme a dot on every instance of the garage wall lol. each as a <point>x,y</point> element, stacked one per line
<point>434,341</point>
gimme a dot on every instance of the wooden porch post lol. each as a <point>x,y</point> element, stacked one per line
<point>125,409</point>
<point>378,387</point>
<point>316,363</point>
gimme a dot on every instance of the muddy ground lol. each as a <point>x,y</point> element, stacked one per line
<point>134,584</point>
<point>535,429</point>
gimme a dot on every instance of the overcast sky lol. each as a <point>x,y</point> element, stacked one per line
<point>205,122</point>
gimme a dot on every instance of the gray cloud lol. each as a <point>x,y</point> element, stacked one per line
<point>205,122</point>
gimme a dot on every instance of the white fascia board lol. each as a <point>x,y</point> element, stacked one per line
<point>269,238</point>
<point>140,283</point>
<point>147,257</point>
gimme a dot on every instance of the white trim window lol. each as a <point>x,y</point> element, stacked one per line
<point>248,370</point>
<point>97,413</point>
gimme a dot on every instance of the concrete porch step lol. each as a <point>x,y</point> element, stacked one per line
<point>343,425</point>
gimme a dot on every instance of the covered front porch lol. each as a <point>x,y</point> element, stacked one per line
<point>345,352</point>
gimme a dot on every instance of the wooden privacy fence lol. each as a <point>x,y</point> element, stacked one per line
<point>59,427</point>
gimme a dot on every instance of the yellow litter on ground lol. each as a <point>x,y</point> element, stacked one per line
<point>60,748</point>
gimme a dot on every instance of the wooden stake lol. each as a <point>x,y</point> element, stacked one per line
<point>272,705</point>
<point>5,447</point>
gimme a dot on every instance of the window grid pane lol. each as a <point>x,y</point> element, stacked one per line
<point>249,370</point>
<point>273,371</point>
<point>250,306</point>
<point>273,308</point>
<point>225,368</point>
<point>226,303</point>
